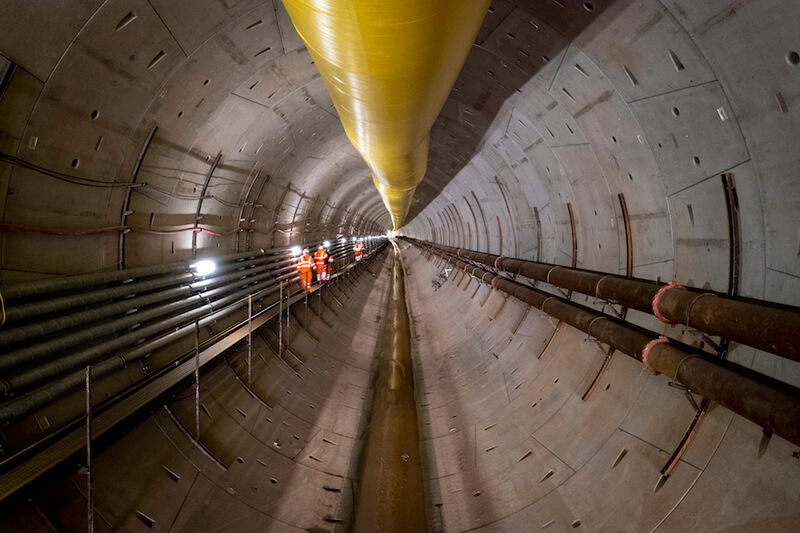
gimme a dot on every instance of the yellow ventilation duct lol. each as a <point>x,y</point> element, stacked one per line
<point>389,66</point>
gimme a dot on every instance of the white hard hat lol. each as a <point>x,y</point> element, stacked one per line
<point>305,250</point>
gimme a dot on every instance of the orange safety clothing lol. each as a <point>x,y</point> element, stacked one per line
<point>304,266</point>
<point>321,262</point>
<point>358,249</point>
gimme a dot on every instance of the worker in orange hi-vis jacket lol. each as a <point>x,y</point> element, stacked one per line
<point>304,266</point>
<point>321,262</point>
<point>358,249</point>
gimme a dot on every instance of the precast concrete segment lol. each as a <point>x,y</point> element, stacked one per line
<point>773,406</point>
<point>759,324</point>
<point>391,496</point>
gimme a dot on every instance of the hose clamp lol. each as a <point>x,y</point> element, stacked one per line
<point>549,271</point>
<point>599,282</point>
<point>689,309</point>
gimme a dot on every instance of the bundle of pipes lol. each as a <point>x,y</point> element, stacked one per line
<point>773,405</point>
<point>143,309</point>
<point>759,324</point>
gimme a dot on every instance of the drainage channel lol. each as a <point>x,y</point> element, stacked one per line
<point>391,495</point>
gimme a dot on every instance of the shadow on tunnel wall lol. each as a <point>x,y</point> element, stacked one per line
<point>513,62</point>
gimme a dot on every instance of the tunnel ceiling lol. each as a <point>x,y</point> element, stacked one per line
<point>591,134</point>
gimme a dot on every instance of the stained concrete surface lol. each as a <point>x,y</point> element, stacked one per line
<point>391,496</point>
<point>560,105</point>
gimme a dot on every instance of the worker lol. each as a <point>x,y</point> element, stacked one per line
<point>358,249</point>
<point>304,266</point>
<point>322,263</point>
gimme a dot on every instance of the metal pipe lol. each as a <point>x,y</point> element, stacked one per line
<point>63,364</point>
<point>53,305</point>
<point>38,351</point>
<point>775,407</point>
<point>768,328</point>
<point>83,281</point>
<point>53,325</point>
<point>28,402</point>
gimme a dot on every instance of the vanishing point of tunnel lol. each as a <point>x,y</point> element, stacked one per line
<point>552,280</point>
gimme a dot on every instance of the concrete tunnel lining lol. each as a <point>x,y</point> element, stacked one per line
<point>560,106</point>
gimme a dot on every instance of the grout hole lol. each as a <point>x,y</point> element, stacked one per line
<point>546,59</point>
<point>95,114</point>
<point>608,386</point>
<point>273,481</point>
<point>146,520</point>
<point>676,62</point>
<point>206,82</point>
<point>696,161</point>
<point>127,19</point>
<point>180,114</point>
<point>576,523</point>
<point>510,35</point>
<point>588,7</point>
<point>793,58</point>
<point>676,111</point>
<point>240,460</point>
<point>614,139</point>
<point>75,163</point>
<point>630,177</point>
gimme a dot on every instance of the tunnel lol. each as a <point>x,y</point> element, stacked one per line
<point>458,377</point>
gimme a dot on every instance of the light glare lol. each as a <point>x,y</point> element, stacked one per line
<point>296,250</point>
<point>204,268</point>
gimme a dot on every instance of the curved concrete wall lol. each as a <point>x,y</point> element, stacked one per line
<point>215,110</point>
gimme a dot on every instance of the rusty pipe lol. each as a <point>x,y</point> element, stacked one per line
<point>776,408</point>
<point>772,329</point>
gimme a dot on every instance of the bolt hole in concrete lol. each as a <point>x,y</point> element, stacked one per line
<point>95,114</point>
<point>75,163</point>
<point>676,111</point>
<point>630,177</point>
<point>696,161</point>
<point>273,481</point>
<point>239,460</point>
<point>206,82</point>
<point>576,523</point>
<point>793,58</point>
<point>180,114</point>
<point>588,7</point>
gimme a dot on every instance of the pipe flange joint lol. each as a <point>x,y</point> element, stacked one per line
<point>646,353</point>
<point>657,299</point>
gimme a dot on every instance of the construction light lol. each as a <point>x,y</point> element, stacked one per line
<point>296,250</point>
<point>204,268</point>
<point>326,244</point>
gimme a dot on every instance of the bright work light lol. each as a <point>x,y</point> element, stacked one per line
<point>204,268</point>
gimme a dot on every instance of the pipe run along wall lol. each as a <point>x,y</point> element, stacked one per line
<point>746,393</point>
